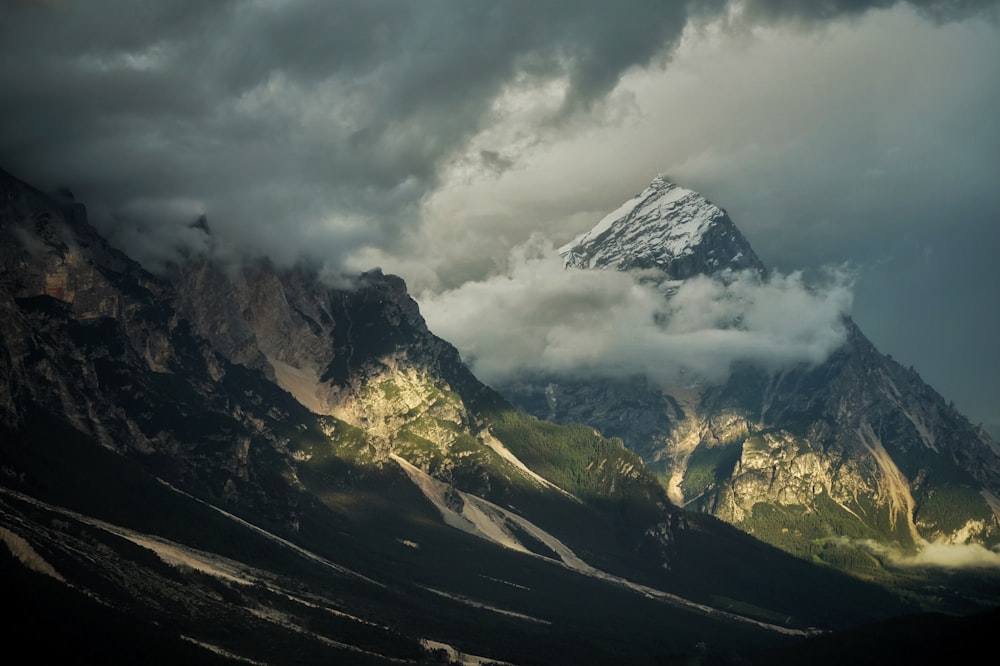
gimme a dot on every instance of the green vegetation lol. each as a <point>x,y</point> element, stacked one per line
<point>708,465</point>
<point>802,532</point>
<point>926,638</point>
<point>848,556</point>
<point>342,442</point>
<point>949,506</point>
<point>390,391</point>
<point>755,444</point>
<point>575,457</point>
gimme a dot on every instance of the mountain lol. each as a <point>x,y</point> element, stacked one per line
<point>853,461</point>
<point>231,462</point>
<point>669,230</point>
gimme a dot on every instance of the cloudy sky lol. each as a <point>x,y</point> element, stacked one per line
<point>455,142</point>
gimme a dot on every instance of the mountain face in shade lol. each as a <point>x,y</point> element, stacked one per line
<point>232,462</point>
<point>844,461</point>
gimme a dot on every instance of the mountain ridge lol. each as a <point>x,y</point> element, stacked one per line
<point>235,443</point>
<point>856,447</point>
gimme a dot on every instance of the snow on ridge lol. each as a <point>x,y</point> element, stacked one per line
<point>665,220</point>
<point>618,214</point>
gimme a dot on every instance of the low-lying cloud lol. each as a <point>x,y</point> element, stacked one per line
<point>541,317</point>
<point>940,553</point>
<point>944,554</point>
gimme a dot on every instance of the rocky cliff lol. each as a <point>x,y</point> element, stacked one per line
<point>817,459</point>
<point>147,364</point>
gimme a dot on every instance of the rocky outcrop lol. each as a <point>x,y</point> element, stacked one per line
<point>226,377</point>
<point>854,447</point>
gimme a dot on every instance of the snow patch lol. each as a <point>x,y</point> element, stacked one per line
<point>606,222</point>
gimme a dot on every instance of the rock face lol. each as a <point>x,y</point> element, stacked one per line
<point>200,372</point>
<point>806,458</point>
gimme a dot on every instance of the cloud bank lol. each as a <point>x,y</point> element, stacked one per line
<point>305,128</point>
<point>432,137</point>
<point>541,317</point>
<point>940,553</point>
<point>328,120</point>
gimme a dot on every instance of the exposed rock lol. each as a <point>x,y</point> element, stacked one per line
<point>215,374</point>
<point>856,446</point>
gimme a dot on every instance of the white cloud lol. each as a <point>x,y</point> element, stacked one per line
<point>850,141</point>
<point>945,554</point>
<point>539,316</point>
<point>371,136</point>
<point>940,553</point>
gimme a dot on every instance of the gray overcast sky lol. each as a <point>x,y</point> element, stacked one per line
<point>432,138</point>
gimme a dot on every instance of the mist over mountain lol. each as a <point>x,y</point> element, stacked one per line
<point>829,450</point>
<point>228,434</point>
<point>230,461</point>
<point>431,140</point>
<point>673,314</point>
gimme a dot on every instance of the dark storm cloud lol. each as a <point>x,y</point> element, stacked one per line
<point>326,130</point>
<point>300,126</point>
<point>818,10</point>
<point>329,119</point>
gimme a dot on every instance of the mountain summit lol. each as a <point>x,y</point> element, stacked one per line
<point>666,227</point>
<point>854,461</point>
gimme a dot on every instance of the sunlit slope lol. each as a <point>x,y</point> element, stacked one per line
<point>848,459</point>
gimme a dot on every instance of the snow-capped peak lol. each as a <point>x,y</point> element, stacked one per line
<point>666,227</point>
